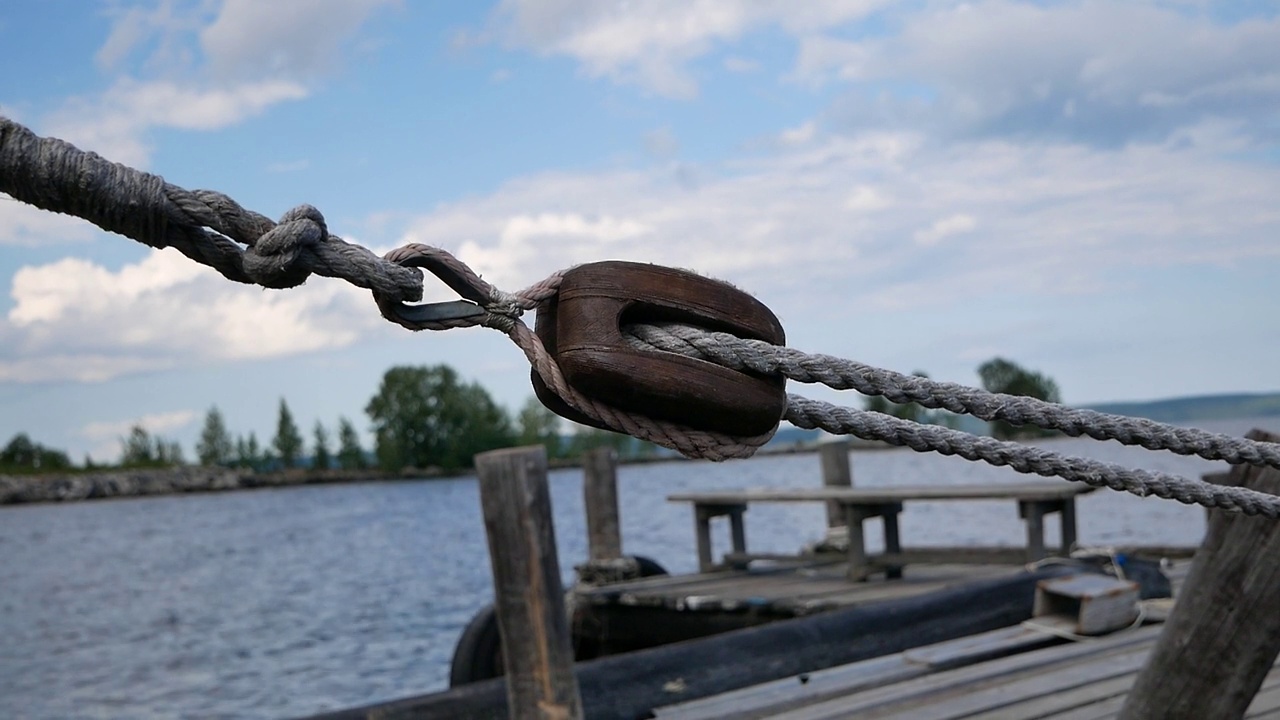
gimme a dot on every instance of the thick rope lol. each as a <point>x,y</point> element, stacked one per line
<point>761,357</point>
<point>807,413</point>
<point>203,225</point>
<point>210,228</point>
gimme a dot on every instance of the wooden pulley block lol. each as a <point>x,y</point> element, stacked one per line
<point>582,329</point>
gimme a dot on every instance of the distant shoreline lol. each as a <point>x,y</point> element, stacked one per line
<point>156,482</point>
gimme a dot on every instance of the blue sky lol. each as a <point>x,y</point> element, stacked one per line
<point>1087,188</point>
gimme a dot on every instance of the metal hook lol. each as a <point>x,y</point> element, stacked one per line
<point>432,315</point>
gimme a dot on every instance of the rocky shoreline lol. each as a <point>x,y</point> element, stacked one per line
<point>70,487</point>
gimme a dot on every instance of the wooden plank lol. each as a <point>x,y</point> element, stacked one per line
<point>1034,662</point>
<point>600,498</point>
<point>761,700</point>
<point>1024,491</point>
<point>966,555</point>
<point>1107,709</point>
<point>1223,635</point>
<point>1057,701</point>
<point>537,653</point>
<point>1101,710</point>
<point>1019,687</point>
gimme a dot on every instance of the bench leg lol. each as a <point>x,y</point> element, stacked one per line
<point>702,530</point>
<point>892,543</point>
<point>737,532</point>
<point>1033,513</point>
<point>859,568</point>
<point>1068,514</point>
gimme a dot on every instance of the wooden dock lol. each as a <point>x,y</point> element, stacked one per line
<point>1014,673</point>
<point>637,614</point>
<point>1074,681</point>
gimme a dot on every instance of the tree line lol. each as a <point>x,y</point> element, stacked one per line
<point>428,418</point>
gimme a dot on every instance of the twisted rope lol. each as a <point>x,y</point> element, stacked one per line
<point>206,226</point>
<point>210,228</point>
<point>761,357</point>
<point>810,414</point>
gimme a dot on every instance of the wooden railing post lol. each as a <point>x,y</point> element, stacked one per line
<point>600,496</point>
<point>528,594</point>
<point>1224,632</point>
<point>835,473</point>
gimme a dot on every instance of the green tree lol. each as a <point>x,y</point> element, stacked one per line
<point>540,426</point>
<point>242,452</point>
<point>169,452</point>
<point>24,455</point>
<point>350,454</point>
<point>999,375</point>
<point>426,417</point>
<point>288,442</point>
<point>214,446</point>
<point>321,458</point>
<point>248,453</point>
<point>137,449</point>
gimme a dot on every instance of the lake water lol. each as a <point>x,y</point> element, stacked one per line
<point>278,603</point>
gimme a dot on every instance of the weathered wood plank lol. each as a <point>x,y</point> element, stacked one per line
<point>1223,635</point>
<point>1040,686</point>
<point>600,498</point>
<point>537,654</point>
<point>1036,661</point>
<point>1045,705</point>
<point>1041,491</point>
<point>767,698</point>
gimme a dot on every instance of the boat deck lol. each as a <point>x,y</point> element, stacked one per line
<point>1012,673</point>
<point>783,588</point>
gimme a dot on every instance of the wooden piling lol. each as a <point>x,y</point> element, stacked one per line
<point>600,496</point>
<point>835,473</point>
<point>1224,632</point>
<point>537,653</point>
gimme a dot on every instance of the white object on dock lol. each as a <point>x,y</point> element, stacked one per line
<point>1086,604</point>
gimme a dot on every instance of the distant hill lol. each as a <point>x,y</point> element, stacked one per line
<point>1206,407</point>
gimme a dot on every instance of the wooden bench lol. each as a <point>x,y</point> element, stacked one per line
<point>1035,500</point>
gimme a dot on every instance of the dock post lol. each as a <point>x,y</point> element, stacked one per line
<point>835,473</point>
<point>600,496</point>
<point>537,652</point>
<point>1224,632</point>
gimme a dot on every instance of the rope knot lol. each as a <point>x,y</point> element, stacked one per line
<point>502,312</point>
<point>281,258</point>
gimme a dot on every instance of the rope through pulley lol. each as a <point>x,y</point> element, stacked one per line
<point>664,355</point>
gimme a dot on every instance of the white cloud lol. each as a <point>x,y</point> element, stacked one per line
<point>649,43</point>
<point>298,39</point>
<point>946,227</point>
<point>860,220</point>
<point>800,134</point>
<point>204,66</point>
<point>152,423</point>
<point>1103,72</point>
<point>114,124</point>
<point>75,320</point>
